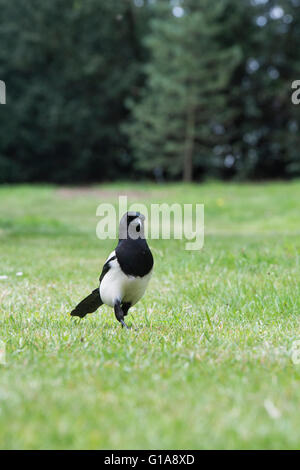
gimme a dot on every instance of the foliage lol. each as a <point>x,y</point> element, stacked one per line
<point>124,89</point>
<point>185,101</point>
<point>68,67</point>
<point>267,123</point>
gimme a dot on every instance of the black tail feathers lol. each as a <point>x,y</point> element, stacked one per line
<point>88,305</point>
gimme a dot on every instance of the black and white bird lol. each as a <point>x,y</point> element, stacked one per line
<point>125,274</point>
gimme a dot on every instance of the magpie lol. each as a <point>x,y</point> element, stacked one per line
<point>125,274</point>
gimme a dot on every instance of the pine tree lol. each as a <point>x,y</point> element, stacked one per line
<point>182,112</point>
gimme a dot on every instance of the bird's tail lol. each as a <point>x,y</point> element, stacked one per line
<point>88,305</point>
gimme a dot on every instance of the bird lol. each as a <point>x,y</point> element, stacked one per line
<point>125,274</point>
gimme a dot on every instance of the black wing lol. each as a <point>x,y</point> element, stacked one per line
<point>106,268</point>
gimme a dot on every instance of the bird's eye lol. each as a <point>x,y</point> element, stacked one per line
<point>138,228</point>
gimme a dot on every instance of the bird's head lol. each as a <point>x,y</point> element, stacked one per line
<point>132,226</point>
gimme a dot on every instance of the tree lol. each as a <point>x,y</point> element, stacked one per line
<point>266,139</point>
<point>207,89</point>
<point>182,111</point>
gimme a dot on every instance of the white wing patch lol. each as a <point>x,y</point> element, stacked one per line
<point>113,253</point>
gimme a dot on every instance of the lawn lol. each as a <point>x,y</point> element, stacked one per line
<point>208,363</point>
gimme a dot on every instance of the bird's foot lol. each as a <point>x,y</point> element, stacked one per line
<point>124,324</point>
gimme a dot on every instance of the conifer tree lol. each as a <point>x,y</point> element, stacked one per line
<point>182,110</point>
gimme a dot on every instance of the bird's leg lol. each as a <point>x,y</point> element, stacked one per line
<point>120,314</point>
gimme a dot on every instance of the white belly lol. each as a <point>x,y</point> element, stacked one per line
<point>117,286</point>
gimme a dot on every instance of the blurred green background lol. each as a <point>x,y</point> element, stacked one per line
<point>150,89</point>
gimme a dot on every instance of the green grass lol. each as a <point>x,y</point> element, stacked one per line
<point>208,364</point>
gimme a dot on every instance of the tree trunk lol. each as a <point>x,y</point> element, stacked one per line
<point>189,146</point>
